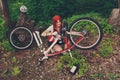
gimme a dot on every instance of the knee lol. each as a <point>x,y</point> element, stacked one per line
<point>58,48</point>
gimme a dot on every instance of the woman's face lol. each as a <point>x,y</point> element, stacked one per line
<point>58,25</point>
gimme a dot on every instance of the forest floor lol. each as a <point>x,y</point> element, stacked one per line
<point>23,64</point>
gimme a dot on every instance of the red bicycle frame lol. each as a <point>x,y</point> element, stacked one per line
<point>46,55</point>
<point>65,50</point>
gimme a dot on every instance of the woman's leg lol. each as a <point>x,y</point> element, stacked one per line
<point>57,48</point>
<point>67,43</point>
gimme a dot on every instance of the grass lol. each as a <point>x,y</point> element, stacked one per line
<point>97,75</point>
<point>106,48</point>
<point>77,59</point>
<point>114,76</point>
<point>15,71</point>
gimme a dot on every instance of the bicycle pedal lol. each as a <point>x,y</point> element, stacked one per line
<point>45,57</point>
<point>40,59</point>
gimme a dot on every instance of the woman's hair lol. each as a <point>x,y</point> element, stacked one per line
<point>55,18</point>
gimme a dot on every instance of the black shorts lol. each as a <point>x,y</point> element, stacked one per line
<point>59,42</point>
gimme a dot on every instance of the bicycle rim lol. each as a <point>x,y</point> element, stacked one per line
<point>92,32</point>
<point>21,38</point>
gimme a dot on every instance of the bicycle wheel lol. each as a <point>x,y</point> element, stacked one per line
<point>90,28</point>
<point>21,38</point>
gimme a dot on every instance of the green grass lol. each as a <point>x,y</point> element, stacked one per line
<point>106,48</point>
<point>114,76</point>
<point>97,75</point>
<point>15,71</point>
<point>3,36</point>
<point>77,59</point>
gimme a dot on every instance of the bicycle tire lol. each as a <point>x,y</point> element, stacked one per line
<point>21,38</point>
<point>92,29</point>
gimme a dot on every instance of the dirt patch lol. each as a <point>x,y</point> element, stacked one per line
<point>26,61</point>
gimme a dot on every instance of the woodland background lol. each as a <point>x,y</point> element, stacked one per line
<point>101,63</point>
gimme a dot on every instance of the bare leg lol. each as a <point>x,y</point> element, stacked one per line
<point>47,51</point>
<point>67,45</point>
<point>57,48</point>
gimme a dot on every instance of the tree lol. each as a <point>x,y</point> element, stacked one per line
<point>5,12</point>
<point>114,18</point>
<point>118,3</point>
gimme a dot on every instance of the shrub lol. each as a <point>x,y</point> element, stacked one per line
<point>3,38</point>
<point>106,28</point>
<point>15,71</point>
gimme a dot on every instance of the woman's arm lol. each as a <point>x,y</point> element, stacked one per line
<point>48,31</point>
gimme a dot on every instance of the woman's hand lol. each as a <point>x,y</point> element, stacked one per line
<point>56,35</point>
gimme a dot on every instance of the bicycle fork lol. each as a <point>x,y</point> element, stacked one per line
<point>38,39</point>
<point>39,42</point>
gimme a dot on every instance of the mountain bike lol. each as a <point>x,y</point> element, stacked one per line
<point>84,33</point>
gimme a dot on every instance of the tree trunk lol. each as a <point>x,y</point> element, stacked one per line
<point>114,18</point>
<point>118,3</point>
<point>5,12</point>
<point>24,21</point>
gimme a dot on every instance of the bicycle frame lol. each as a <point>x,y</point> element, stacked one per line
<point>39,42</point>
<point>91,35</point>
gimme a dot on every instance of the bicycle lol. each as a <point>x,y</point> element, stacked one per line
<point>84,33</point>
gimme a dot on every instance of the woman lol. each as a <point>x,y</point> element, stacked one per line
<point>53,31</point>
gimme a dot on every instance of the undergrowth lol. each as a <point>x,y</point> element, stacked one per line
<point>77,59</point>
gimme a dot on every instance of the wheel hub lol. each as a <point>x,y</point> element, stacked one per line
<point>21,37</point>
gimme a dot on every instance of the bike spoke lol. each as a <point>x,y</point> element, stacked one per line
<point>91,31</point>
